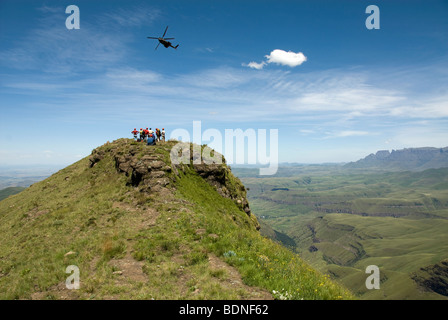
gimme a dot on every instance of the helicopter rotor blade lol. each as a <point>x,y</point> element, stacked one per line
<point>165,31</point>
<point>168,38</point>
<point>157,46</point>
<point>152,38</point>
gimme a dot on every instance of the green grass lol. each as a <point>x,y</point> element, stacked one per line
<point>260,261</point>
<point>163,242</point>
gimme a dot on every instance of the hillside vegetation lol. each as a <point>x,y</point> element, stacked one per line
<point>139,227</point>
<point>341,222</point>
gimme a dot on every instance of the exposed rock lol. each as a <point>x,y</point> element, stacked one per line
<point>213,236</point>
<point>141,168</point>
<point>124,166</point>
<point>148,170</point>
<point>433,277</point>
<point>157,164</point>
<point>200,231</point>
<point>157,174</point>
<point>95,157</point>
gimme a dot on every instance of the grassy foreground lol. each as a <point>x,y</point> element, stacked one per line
<point>185,241</point>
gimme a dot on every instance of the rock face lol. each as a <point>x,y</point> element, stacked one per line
<point>219,177</point>
<point>147,172</point>
<point>150,169</point>
<point>433,278</point>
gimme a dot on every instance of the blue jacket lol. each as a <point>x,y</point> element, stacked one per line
<point>151,140</point>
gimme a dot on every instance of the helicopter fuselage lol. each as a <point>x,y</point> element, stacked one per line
<point>165,43</point>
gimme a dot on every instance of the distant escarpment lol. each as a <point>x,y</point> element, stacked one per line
<point>412,159</point>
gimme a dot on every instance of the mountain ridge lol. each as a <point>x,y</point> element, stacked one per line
<point>413,159</point>
<point>140,227</point>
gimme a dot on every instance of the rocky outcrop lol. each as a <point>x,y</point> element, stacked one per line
<point>95,157</point>
<point>147,172</point>
<point>219,176</point>
<point>150,169</point>
<point>433,278</point>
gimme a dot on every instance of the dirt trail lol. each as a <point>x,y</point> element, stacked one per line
<point>235,281</point>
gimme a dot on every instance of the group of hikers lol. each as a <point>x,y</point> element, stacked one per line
<point>148,135</point>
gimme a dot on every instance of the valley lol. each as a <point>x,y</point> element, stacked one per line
<point>342,220</point>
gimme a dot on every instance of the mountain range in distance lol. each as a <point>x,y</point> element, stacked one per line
<point>408,159</point>
<point>412,159</point>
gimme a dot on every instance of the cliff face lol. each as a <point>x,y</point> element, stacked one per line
<point>414,159</point>
<point>433,277</point>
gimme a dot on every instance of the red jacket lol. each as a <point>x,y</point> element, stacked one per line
<point>134,132</point>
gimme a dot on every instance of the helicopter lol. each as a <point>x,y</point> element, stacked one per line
<point>164,41</point>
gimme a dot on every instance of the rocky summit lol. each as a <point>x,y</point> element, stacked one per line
<point>150,169</point>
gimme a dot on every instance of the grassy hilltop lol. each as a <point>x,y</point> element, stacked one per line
<point>139,227</point>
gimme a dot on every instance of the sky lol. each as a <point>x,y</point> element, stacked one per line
<point>334,89</point>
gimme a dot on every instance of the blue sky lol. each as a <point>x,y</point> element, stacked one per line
<point>65,92</point>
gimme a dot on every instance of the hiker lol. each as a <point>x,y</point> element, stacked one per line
<point>158,134</point>
<point>135,132</point>
<point>142,135</point>
<point>151,140</point>
<point>150,130</point>
<point>163,134</point>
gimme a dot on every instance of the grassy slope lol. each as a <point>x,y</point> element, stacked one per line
<point>164,243</point>
<point>348,242</point>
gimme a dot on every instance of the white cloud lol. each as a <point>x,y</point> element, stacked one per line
<point>255,65</point>
<point>348,93</point>
<point>306,131</point>
<point>281,57</point>
<point>350,133</point>
<point>129,76</point>
<point>433,107</point>
<point>213,78</point>
<point>284,58</point>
